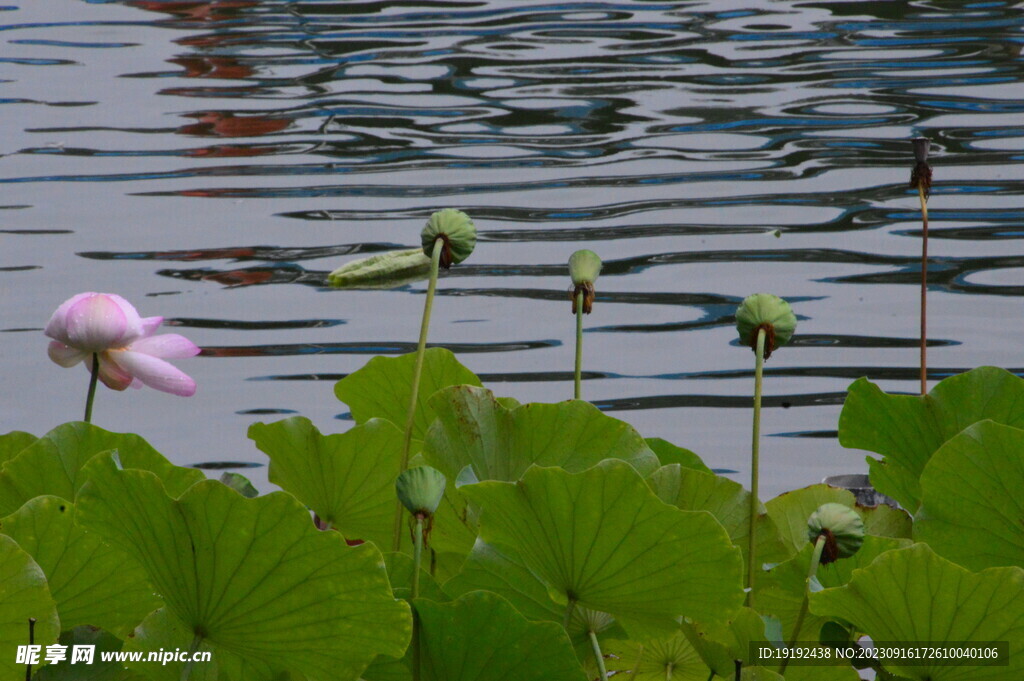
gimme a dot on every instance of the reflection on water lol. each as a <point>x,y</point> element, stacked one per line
<point>706,150</point>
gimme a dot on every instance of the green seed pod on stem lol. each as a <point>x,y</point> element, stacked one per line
<point>457,231</point>
<point>420,489</point>
<point>842,528</point>
<point>584,267</point>
<point>773,314</point>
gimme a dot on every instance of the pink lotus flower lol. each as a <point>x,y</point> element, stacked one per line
<point>107,326</point>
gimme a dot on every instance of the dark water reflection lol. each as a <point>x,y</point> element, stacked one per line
<point>194,156</point>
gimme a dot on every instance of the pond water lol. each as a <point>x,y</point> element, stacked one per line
<point>213,161</point>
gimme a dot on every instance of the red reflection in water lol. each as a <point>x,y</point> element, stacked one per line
<point>240,277</point>
<point>212,10</point>
<point>201,66</point>
<point>227,124</point>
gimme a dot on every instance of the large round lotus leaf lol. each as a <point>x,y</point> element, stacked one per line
<point>694,490</point>
<point>474,429</point>
<point>669,453</point>
<point>602,539</point>
<point>972,507</point>
<point>907,429</point>
<point>501,571</point>
<point>914,595</point>
<point>53,464</point>
<point>382,388</point>
<point>93,583</point>
<point>666,659</point>
<point>480,637</point>
<point>13,442</point>
<point>23,594</point>
<point>251,577</point>
<point>790,510</point>
<point>348,479</point>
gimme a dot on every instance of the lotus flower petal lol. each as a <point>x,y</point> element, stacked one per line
<point>96,323</point>
<point>111,375</point>
<point>156,373</point>
<point>57,327</point>
<point>166,346</point>
<point>64,355</point>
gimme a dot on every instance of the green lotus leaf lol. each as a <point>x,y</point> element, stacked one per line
<point>972,509</point>
<point>382,388</point>
<point>383,270</point>
<point>480,637</point>
<point>13,442</point>
<point>672,658</point>
<point>239,483</point>
<point>347,479</point>
<point>23,594</point>
<point>693,490</point>
<point>399,567</point>
<point>602,539</point>
<point>251,577</point>
<point>669,453</point>
<point>907,429</point>
<point>53,464</point>
<point>912,595</point>
<point>474,429</point>
<point>92,583</point>
<point>99,670</point>
<point>780,591</point>
<point>720,644</point>
<point>791,510</point>
<point>886,521</point>
<point>501,571</point>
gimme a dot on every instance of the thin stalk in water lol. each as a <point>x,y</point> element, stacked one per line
<point>921,180</point>
<point>186,671</point>
<point>94,375</point>
<point>598,655</point>
<point>812,570</point>
<point>31,641</point>
<point>579,344</point>
<point>417,373</point>
<point>755,462</point>
<point>417,558</point>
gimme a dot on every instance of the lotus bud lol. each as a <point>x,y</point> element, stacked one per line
<point>457,231</point>
<point>420,489</point>
<point>921,177</point>
<point>768,312</point>
<point>842,528</point>
<point>584,266</point>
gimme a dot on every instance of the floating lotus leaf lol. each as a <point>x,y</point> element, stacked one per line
<point>347,479</point>
<point>602,539</point>
<point>907,429</point>
<point>383,270</point>
<point>474,429</point>
<point>13,442</point>
<point>480,637</point>
<point>23,594</point>
<point>382,388</point>
<point>669,453</point>
<point>251,577</point>
<point>92,583</point>
<point>501,571</point>
<point>667,659</point>
<point>693,490</point>
<point>972,507</point>
<point>912,594</point>
<point>53,464</point>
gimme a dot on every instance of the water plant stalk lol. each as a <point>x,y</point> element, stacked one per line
<point>94,375</point>
<point>921,192</point>
<point>598,655</point>
<point>435,261</point>
<point>812,570</point>
<point>755,444</point>
<point>31,641</point>
<point>579,344</point>
<point>417,559</point>
<point>186,671</point>
<point>636,665</point>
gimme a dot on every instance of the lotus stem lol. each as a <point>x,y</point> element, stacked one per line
<point>186,671</point>
<point>812,570</point>
<point>668,671</point>
<point>417,557</point>
<point>567,619</point>
<point>435,262</point>
<point>598,656</point>
<point>924,286</point>
<point>94,374</point>
<point>754,463</point>
<point>31,641</point>
<point>636,665</point>
<point>579,344</point>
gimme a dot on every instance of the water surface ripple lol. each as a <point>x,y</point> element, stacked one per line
<point>195,155</point>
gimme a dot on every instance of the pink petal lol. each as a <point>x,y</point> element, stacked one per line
<point>95,324</point>
<point>112,376</point>
<point>166,346</point>
<point>57,327</point>
<point>150,324</point>
<point>134,324</point>
<point>64,355</point>
<point>156,373</point>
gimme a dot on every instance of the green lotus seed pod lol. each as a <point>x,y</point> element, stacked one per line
<point>420,489</point>
<point>842,528</point>
<point>457,231</point>
<point>584,266</point>
<point>763,310</point>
